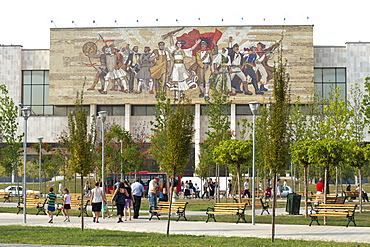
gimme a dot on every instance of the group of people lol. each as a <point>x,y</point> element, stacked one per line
<point>163,68</point>
<point>209,188</point>
<point>124,196</point>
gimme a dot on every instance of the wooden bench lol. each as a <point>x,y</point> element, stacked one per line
<point>32,196</point>
<point>259,193</point>
<point>334,210</point>
<point>164,207</point>
<point>352,195</point>
<point>227,209</point>
<point>258,203</point>
<point>5,195</point>
<point>75,205</point>
<point>39,204</point>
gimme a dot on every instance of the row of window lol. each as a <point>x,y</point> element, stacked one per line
<point>36,94</point>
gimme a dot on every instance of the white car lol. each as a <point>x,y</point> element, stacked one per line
<point>14,190</point>
<point>285,190</point>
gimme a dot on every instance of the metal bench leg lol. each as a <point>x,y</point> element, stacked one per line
<point>351,219</point>
<point>211,216</point>
<point>19,209</point>
<point>241,217</point>
<point>314,218</point>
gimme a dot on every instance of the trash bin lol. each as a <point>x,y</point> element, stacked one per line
<point>293,203</point>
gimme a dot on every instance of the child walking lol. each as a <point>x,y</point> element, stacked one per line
<point>51,204</point>
<point>66,205</point>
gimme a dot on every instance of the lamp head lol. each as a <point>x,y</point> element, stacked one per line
<point>254,107</point>
<point>26,112</point>
<point>40,138</point>
<point>103,115</point>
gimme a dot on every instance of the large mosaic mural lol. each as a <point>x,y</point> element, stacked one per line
<point>130,65</point>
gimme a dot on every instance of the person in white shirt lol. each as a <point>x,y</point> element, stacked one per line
<point>97,199</point>
<point>137,190</point>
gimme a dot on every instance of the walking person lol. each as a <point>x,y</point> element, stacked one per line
<point>137,190</point>
<point>205,189</point>
<point>119,196</point>
<point>51,204</point>
<point>128,200</point>
<point>66,205</point>
<point>97,199</point>
<point>246,189</point>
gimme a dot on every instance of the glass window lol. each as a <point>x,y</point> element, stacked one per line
<point>36,91</point>
<point>106,108</point>
<point>151,110</point>
<point>27,77</point>
<point>341,75</point>
<point>328,75</point>
<point>331,78</point>
<point>37,95</point>
<point>26,95</point>
<point>318,75</point>
<point>38,110</point>
<point>119,110</point>
<point>46,77</point>
<point>60,110</point>
<point>37,77</point>
<point>243,110</point>
<point>138,110</point>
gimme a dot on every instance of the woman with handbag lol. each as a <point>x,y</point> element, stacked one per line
<point>120,195</point>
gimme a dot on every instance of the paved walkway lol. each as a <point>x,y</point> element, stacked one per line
<point>300,232</point>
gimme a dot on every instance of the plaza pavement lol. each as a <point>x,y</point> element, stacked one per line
<point>219,229</point>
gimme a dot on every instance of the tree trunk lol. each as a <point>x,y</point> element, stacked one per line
<point>326,187</point>
<point>305,191</point>
<point>170,199</point>
<point>360,192</point>
<point>82,203</point>
<point>239,186</point>
<point>273,208</point>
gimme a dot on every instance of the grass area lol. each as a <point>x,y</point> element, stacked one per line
<point>74,236</point>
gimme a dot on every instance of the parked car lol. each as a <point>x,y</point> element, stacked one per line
<point>285,190</point>
<point>14,190</point>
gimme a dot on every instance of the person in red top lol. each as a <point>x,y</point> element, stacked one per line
<point>320,187</point>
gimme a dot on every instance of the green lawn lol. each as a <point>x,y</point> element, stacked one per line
<point>74,236</point>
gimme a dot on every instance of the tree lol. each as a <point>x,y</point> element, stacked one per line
<point>9,155</point>
<point>172,143</point>
<point>218,130</point>
<point>122,151</point>
<point>234,153</point>
<point>301,154</point>
<point>327,153</point>
<point>277,142</point>
<point>360,157</point>
<point>79,143</point>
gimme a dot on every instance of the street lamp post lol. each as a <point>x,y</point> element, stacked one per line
<point>40,156</point>
<point>26,112</point>
<point>102,117</point>
<point>254,109</point>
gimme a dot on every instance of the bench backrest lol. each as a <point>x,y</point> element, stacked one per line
<point>4,193</point>
<point>249,201</point>
<point>337,207</point>
<point>352,193</point>
<point>173,205</point>
<point>259,193</point>
<point>240,207</point>
<point>32,195</point>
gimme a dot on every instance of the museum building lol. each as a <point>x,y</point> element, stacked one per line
<point>102,63</point>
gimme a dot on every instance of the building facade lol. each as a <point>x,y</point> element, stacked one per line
<point>104,64</point>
